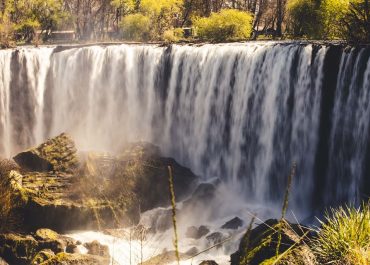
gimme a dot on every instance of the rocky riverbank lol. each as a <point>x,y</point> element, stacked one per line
<point>53,186</point>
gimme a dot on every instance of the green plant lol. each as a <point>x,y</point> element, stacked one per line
<point>136,27</point>
<point>173,204</point>
<point>344,237</point>
<point>228,24</point>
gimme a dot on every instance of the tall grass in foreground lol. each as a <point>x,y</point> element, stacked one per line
<point>173,204</point>
<point>344,237</point>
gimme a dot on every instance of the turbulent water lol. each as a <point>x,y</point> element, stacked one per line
<point>239,112</point>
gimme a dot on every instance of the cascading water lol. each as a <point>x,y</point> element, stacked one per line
<point>238,112</point>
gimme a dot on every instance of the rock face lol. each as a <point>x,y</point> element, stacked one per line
<point>234,223</point>
<point>62,191</point>
<point>57,154</point>
<point>197,232</point>
<point>208,262</point>
<point>48,247</point>
<point>260,244</point>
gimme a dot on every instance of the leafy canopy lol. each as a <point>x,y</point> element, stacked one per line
<point>228,24</point>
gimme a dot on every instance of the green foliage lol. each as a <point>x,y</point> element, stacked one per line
<point>332,13</point>
<point>173,35</point>
<point>228,24</point>
<point>303,18</point>
<point>162,14</point>
<point>28,16</point>
<point>345,237</point>
<point>136,27</point>
<point>356,22</point>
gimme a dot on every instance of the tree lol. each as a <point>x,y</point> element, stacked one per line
<point>228,24</point>
<point>357,22</point>
<point>136,27</point>
<point>163,14</point>
<point>304,18</point>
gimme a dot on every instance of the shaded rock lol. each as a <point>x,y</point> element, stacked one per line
<point>76,259</point>
<point>208,262</point>
<point>60,192</point>
<point>95,248</point>
<point>260,244</point>
<point>17,249</point>
<point>167,257</point>
<point>57,154</point>
<point>203,195</point>
<point>42,256</point>
<point>72,248</point>
<point>196,233</point>
<point>234,223</point>
<point>49,239</point>
<point>215,238</point>
<point>192,251</point>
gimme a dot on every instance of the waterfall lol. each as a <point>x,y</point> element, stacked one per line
<point>240,112</point>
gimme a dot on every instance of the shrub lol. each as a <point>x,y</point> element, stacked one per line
<point>8,216</point>
<point>344,237</point>
<point>303,18</point>
<point>173,35</point>
<point>136,27</point>
<point>357,22</point>
<point>228,24</point>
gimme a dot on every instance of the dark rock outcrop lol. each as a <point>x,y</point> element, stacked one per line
<point>234,223</point>
<point>56,154</point>
<point>61,191</point>
<point>215,238</point>
<point>48,247</point>
<point>196,232</point>
<point>260,244</point>
<point>208,262</point>
<point>95,248</point>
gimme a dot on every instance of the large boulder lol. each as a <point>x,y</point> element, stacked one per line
<point>48,247</point>
<point>197,232</point>
<point>56,154</point>
<point>17,249</point>
<point>259,245</point>
<point>62,191</point>
<point>234,223</point>
<point>76,259</point>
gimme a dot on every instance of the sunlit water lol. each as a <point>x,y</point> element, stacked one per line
<point>238,112</point>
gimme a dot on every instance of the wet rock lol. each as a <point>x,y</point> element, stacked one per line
<point>49,239</point>
<point>208,262</point>
<point>95,248</point>
<point>234,223</point>
<point>193,251</point>
<point>260,244</point>
<point>72,248</point>
<point>76,259</point>
<point>42,256</point>
<point>196,232</point>
<point>215,238</point>
<point>167,257</point>
<point>59,191</point>
<point>57,154</point>
<point>203,195</point>
<point>17,249</point>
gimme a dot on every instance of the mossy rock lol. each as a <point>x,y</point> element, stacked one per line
<point>76,259</point>
<point>56,154</point>
<point>259,245</point>
<point>17,249</point>
<point>42,256</point>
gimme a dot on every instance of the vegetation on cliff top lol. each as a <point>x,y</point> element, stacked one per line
<point>177,20</point>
